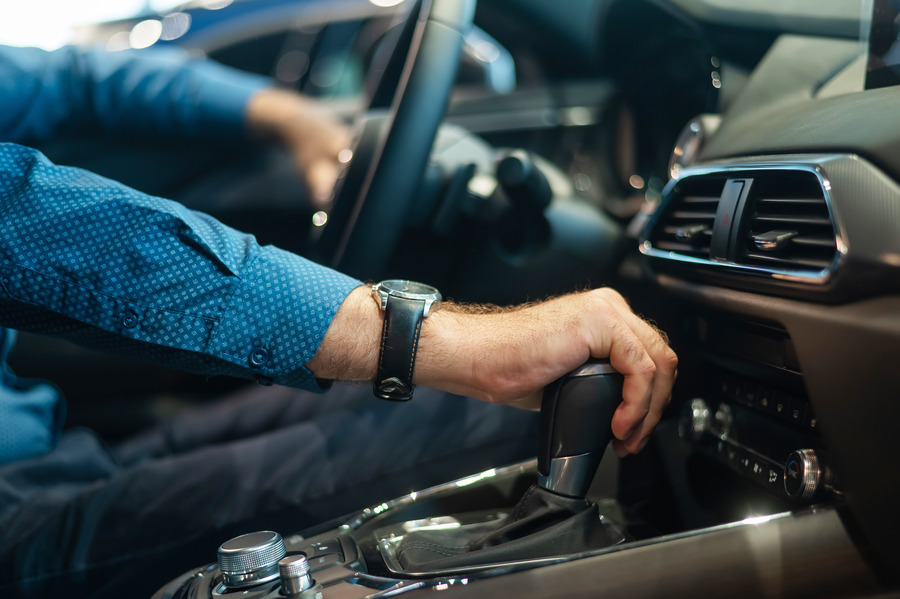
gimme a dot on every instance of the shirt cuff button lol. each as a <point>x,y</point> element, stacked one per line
<point>130,320</point>
<point>258,357</point>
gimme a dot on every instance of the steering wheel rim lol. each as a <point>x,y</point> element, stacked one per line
<point>368,217</point>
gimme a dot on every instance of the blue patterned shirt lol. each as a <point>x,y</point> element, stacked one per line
<point>93,261</point>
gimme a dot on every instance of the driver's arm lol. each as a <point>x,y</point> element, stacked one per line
<point>509,355</point>
<point>305,128</point>
<point>91,260</point>
<point>162,92</point>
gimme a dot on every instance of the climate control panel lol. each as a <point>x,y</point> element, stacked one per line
<point>764,434</point>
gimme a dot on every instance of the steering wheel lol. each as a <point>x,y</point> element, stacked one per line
<point>379,186</point>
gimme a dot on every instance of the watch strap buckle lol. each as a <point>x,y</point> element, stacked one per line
<point>393,389</point>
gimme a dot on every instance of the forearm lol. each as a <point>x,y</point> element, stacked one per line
<point>94,261</point>
<point>158,92</point>
<point>488,353</point>
<point>509,355</point>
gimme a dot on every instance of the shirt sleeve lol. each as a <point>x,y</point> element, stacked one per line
<point>158,91</point>
<point>91,260</point>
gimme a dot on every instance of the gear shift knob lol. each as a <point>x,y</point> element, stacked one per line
<point>576,414</point>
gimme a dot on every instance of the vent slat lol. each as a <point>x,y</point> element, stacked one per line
<point>808,202</point>
<point>673,230</point>
<point>686,226</point>
<point>690,215</point>
<point>791,202</point>
<point>809,240</point>
<point>699,200</point>
<point>791,262</point>
<point>801,219</point>
<point>682,248</point>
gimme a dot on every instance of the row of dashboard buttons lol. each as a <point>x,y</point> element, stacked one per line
<point>792,408</point>
<point>757,468</point>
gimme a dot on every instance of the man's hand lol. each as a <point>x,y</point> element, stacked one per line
<point>509,355</point>
<point>306,129</point>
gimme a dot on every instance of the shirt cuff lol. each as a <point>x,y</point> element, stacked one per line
<point>278,316</point>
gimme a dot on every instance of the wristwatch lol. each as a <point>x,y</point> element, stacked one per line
<point>406,304</point>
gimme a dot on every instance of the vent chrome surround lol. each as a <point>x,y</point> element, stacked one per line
<point>808,164</point>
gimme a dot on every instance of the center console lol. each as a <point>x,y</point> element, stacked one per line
<point>535,529</point>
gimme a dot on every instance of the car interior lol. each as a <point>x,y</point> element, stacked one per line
<point>730,167</point>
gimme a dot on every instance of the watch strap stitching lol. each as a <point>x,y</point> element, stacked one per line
<point>384,325</point>
<point>415,350</point>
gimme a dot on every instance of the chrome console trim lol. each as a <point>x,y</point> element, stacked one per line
<point>570,475</point>
<point>815,164</point>
<point>371,512</point>
<point>594,367</point>
<point>442,581</point>
<point>388,587</point>
<point>388,548</point>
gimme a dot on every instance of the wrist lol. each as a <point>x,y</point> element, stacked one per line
<point>349,350</point>
<point>468,352</point>
<point>444,355</point>
<point>501,355</point>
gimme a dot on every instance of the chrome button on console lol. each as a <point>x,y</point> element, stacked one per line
<point>251,558</point>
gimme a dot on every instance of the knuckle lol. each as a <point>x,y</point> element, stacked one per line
<point>611,295</point>
<point>669,360</point>
<point>597,301</point>
<point>644,411</point>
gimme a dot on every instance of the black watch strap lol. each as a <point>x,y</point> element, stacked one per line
<point>399,342</point>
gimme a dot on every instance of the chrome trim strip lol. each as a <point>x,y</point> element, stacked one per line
<point>387,548</point>
<point>447,580</point>
<point>570,475</point>
<point>594,367</point>
<point>371,512</point>
<point>813,164</point>
<point>440,581</point>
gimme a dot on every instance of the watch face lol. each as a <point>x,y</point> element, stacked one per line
<point>407,288</point>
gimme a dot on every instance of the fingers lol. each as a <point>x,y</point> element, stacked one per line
<point>318,159</point>
<point>316,138</point>
<point>320,176</point>
<point>641,353</point>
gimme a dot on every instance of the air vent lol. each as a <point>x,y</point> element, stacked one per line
<point>786,223</point>
<point>686,226</point>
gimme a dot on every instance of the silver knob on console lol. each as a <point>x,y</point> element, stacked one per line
<point>251,558</point>
<point>694,421</point>
<point>294,572</point>
<point>805,474</point>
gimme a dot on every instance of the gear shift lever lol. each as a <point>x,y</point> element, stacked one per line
<point>553,517</point>
<point>576,413</point>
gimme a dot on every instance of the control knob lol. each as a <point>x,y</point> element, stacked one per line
<point>251,558</point>
<point>694,421</point>
<point>294,572</point>
<point>805,475</point>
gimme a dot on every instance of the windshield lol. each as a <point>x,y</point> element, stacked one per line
<point>49,24</point>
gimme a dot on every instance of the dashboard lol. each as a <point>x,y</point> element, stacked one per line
<point>773,251</point>
<point>767,245</point>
